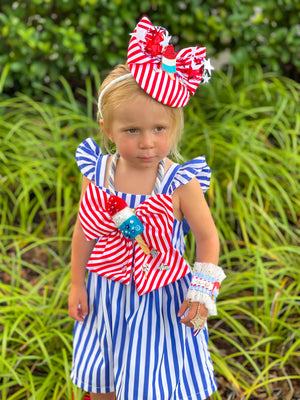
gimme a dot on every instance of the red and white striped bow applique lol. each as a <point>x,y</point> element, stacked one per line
<point>168,77</point>
<point>114,255</point>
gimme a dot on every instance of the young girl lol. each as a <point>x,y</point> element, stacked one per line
<point>140,330</point>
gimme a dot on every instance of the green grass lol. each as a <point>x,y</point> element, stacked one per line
<point>250,134</point>
<point>249,130</point>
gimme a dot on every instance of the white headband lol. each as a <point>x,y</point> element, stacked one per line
<point>121,78</point>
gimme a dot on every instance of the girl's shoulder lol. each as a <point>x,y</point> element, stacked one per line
<point>181,174</point>
<point>88,154</point>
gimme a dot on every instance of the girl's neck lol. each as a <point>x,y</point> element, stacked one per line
<point>135,181</point>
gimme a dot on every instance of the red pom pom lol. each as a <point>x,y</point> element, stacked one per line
<point>115,204</point>
<point>153,45</point>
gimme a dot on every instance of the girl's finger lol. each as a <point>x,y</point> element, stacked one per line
<point>183,308</point>
<point>190,315</point>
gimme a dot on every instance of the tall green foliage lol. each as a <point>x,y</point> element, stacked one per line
<point>249,130</point>
<point>43,40</point>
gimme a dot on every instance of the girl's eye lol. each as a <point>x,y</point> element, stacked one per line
<point>131,130</point>
<point>159,129</point>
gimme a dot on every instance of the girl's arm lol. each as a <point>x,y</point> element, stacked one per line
<point>81,251</point>
<point>193,206</point>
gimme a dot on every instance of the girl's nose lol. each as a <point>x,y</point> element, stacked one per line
<point>146,140</point>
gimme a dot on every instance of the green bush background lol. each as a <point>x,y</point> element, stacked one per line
<point>247,123</point>
<point>42,40</point>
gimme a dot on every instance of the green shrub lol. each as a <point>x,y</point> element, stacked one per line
<point>42,40</point>
<point>249,130</point>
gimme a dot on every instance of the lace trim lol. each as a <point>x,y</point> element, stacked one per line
<point>205,285</point>
<point>199,297</point>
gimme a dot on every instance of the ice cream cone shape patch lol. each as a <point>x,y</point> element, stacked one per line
<point>169,59</point>
<point>128,223</point>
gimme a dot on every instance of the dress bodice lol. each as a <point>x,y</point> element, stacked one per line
<point>93,163</point>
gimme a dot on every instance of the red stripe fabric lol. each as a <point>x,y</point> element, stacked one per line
<point>114,255</point>
<point>148,72</point>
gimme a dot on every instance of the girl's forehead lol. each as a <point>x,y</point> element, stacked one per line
<point>141,108</point>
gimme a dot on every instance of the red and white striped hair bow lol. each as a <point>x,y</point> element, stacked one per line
<point>114,255</point>
<point>168,77</point>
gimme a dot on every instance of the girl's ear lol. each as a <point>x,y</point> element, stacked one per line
<point>106,131</point>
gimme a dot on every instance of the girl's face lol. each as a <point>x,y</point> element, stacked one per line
<point>141,130</point>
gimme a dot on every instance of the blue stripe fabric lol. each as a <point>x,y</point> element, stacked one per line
<point>135,345</point>
<point>87,154</point>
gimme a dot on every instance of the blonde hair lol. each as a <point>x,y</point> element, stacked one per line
<point>126,90</point>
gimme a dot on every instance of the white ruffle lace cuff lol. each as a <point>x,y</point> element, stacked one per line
<point>205,284</point>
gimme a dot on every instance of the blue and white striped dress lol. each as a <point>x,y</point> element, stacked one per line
<point>135,345</point>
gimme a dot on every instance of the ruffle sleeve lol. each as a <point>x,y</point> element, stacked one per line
<point>87,155</point>
<point>196,168</point>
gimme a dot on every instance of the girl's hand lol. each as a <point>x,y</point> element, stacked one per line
<point>78,304</point>
<point>192,312</point>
